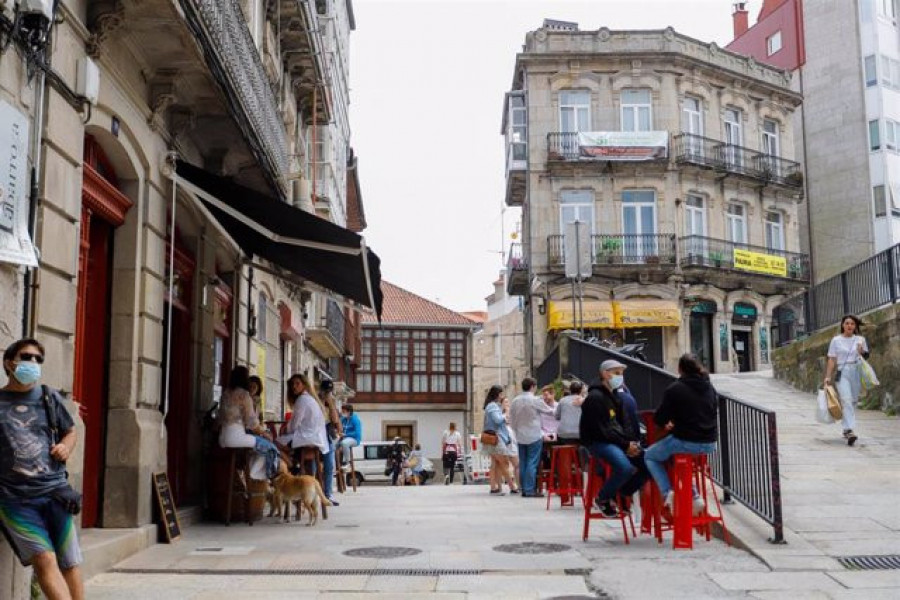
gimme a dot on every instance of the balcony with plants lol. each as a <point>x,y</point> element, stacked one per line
<point>516,271</point>
<point>698,253</point>
<point>744,162</point>
<point>620,251</point>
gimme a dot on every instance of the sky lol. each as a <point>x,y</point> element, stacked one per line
<point>427,80</point>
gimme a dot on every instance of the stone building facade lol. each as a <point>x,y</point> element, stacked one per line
<point>675,157</point>
<point>144,296</point>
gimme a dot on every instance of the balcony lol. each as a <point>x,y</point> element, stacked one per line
<point>702,253</point>
<point>326,332</point>
<point>602,146</point>
<point>516,171</point>
<point>720,156</point>
<point>620,251</point>
<point>516,271</point>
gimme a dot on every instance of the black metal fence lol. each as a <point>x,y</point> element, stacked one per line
<point>711,252</point>
<point>707,152</point>
<point>745,464</point>
<point>868,285</point>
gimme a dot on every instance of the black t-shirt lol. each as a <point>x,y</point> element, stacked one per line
<point>26,467</point>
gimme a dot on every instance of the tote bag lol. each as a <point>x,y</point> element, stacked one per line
<point>834,403</point>
<point>867,377</point>
<point>822,414</point>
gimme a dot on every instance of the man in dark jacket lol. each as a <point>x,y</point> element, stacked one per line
<point>609,436</point>
<point>688,413</point>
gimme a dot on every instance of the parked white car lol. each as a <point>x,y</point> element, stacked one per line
<point>370,460</point>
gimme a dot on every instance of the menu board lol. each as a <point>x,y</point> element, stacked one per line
<point>166,505</point>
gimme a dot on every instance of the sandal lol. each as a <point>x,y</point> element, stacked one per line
<point>514,490</point>
<point>497,492</point>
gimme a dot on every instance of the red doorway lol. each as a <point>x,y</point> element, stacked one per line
<point>103,209</point>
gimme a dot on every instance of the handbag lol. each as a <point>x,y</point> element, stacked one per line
<point>867,377</point>
<point>489,438</point>
<point>834,403</point>
<point>822,414</point>
<point>66,494</point>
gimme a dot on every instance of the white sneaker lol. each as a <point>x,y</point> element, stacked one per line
<point>669,500</point>
<point>699,506</point>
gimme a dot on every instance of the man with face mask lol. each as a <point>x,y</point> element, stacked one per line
<point>609,435</point>
<point>35,519</point>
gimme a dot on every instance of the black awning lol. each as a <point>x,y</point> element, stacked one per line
<point>309,246</point>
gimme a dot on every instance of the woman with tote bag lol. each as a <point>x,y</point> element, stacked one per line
<point>845,354</point>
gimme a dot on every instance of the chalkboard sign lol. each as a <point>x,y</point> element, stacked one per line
<point>166,504</point>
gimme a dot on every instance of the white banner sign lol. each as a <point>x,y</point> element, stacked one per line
<point>15,243</point>
<point>624,145</point>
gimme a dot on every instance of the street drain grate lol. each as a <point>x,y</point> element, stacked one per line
<point>581,597</point>
<point>872,562</point>
<point>531,548</point>
<point>287,571</point>
<point>382,552</point>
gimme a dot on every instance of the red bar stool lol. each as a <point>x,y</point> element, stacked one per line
<point>594,483</point>
<point>565,478</point>
<point>688,469</point>
<point>651,500</point>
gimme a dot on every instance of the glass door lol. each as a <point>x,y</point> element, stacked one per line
<point>639,225</point>
<point>695,228</point>
<point>733,138</point>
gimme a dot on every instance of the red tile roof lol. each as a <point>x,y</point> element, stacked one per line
<point>479,316</point>
<point>402,307</point>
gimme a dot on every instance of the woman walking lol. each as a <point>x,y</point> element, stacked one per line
<point>512,452</point>
<point>842,368</point>
<point>494,421</point>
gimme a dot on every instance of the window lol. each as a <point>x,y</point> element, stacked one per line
<point>401,356</point>
<point>420,357</point>
<point>574,111</point>
<point>692,124</point>
<point>456,357</point>
<point>457,384</point>
<point>365,362</point>
<point>870,70</point>
<point>770,137</point>
<point>736,224</point>
<point>880,201</point>
<point>733,136</point>
<point>636,110</point>
<point>639,224</point>
<point>518,127</point>
<point>363,382</point>
<point>694,216</point>
<point>383,357</point>
<point>773,43</point>
<point>891,134</point>
<point>419,383</point>
<point>576,205</point>
<point>401,383</point>
<point>262,311</point>
<point>438,362</point>
<point>438,383</point>
<point>890,72</point>
<point>774,231</point>
<point>874,136</point>
<point>382,382</point>
<point>887,9</point>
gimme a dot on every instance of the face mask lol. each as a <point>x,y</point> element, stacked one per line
<point>27,373</point>
<point>616,381</point>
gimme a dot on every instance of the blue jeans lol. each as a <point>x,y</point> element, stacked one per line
<point>270,452</point>
<point>660,452</point>
<point>628,474</point>
<point>529,459</point>
<point>328,469</point>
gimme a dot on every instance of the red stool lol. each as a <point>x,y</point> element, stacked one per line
<point>651,500</point>
<point>594,483</point>
<point>688,469</point>
<point>565,478</point>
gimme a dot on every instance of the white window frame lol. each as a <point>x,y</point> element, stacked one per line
<point>773,43</point>
<point>874,135</point>
<point>870,70</point>
<point>890,72</point>
<point>692,118</point>
<point>636,109</point>
<point>734,135</point>
<point>579,109</point>
<point>879,200</point>
<point>582,201</point>
<point>635,251</point>
<point>694,212</point>
<point>774,222</point>
<point>736,223</point>
<point>891,135</point>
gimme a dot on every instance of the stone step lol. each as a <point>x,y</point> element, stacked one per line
<point>103,548</point>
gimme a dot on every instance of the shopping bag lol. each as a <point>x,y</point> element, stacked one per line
<point>822,414</point>
<point>834,403</point>
<point>867,377</point>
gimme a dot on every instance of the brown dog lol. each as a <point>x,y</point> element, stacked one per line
<point>304,489</point>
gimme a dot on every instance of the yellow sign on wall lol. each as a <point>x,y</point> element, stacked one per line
<point>595,314</point>
<point>647,312</point>
<point>757,262</point>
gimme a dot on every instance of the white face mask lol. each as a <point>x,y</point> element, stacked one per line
<point>616,381</point>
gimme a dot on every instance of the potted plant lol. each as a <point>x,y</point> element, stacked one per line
<point>608,249</point>
<point>794,269</point>
<point>716,258</point>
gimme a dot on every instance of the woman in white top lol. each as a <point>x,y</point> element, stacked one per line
<point>307,424</point>
<point>451,446</point>
<point>842,368</point>
<point>240,426</point>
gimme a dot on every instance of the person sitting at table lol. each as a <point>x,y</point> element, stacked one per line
<point>240,427</point>
<point>256,390</point>
<point>688,413</point>
<point>352,427</point>
<point>608,435</point>
<point>307,424</point>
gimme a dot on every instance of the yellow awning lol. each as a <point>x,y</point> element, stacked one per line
<point>595,314</point>
<point>646,312</point>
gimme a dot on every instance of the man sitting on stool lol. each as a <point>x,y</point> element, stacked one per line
<point>352,427</point>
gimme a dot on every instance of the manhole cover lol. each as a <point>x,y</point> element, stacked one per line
<point>531,548</point>
<point>382,552</point>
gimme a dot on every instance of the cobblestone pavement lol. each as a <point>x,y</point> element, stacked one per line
<point>838,501</point>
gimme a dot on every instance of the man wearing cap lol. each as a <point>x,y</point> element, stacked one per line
<point>609,435</point>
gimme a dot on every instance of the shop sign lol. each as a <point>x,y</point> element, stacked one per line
<point>706,307</point>
<point>15,242</point>
<point>624,145</point>
<point>594,314</point>
<point>756,262</point>
<point>744,313</point>
<point>647,312</point>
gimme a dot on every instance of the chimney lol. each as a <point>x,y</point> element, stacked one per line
<point>740,18</point>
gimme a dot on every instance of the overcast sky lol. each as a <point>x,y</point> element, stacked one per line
<point>427,80</point>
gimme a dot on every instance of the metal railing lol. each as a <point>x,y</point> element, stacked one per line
<point>563,146</point>
<point>619,249</point>
<point>711,252</point>
<point>699,150</point>
<point>745,464</point>
<point>334,321</point>
<point>873,283</point>
<point>516,260</point>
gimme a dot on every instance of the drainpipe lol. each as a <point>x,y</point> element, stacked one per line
<point>31,281</point>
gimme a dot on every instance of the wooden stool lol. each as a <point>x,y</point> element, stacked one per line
<point>565,475</point>
<point>310,455</point>
<point>340,466</point>
<point>244,466</point>
<point>688,469</point>
<point>594,483</point>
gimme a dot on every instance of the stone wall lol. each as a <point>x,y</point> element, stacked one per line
<point>802,364</point>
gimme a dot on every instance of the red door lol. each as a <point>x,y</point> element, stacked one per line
<point>103,208</point>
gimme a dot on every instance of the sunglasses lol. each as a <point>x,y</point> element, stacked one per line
<point>29,357</point>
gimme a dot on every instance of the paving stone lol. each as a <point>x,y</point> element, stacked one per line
<point>801,580</point>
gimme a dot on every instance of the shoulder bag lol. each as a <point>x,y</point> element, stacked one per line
<point>66,494</point>
<point>489,438</point>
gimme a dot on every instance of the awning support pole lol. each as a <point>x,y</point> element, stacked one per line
<point>365,260</point>
<point>162,430</point>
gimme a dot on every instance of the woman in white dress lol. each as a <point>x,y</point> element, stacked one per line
<point>240,426</point>
<point>842,368</point>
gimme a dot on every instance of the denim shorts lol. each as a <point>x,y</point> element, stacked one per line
<point>33,526</point>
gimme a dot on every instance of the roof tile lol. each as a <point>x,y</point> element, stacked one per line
<point>402,307</point>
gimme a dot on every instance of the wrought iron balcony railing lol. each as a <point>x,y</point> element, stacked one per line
<point>710,252</point>
<point>707,152</point>
<point>516,261</point>
<point>620,249</point>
